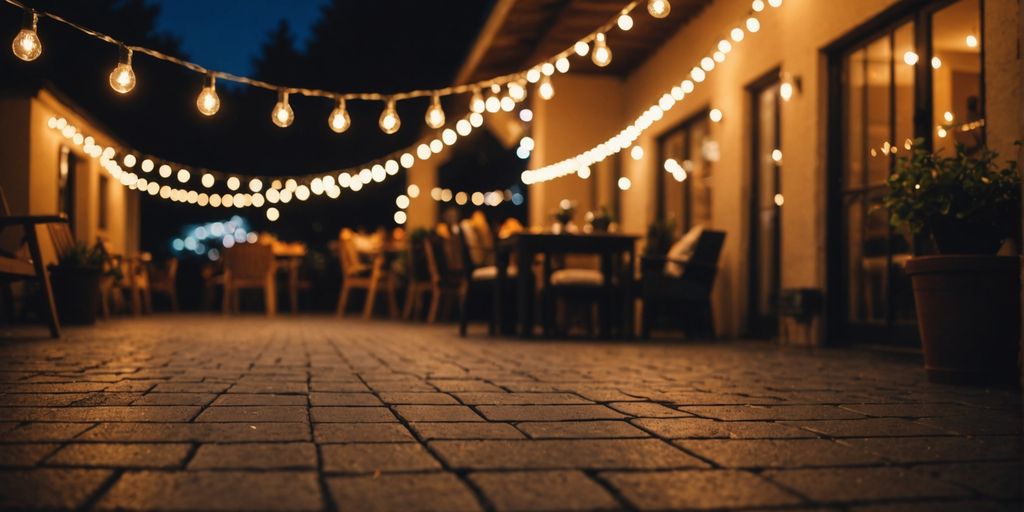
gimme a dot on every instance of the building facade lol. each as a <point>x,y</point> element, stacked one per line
<point>781,145</point>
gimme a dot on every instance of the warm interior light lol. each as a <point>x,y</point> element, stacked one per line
<point>545,89</point>
<point>26,45</point>
<point>283,115</point>
<point>389,121</point>
<point>625,22</point>
<point>637,153</point>
<point>910,58</point>
<point>786,91</point>
<point>208,102</point>
<point>971,40</point>
<point>476,102</point>
<point>715,115</point>
<point>581,48</point>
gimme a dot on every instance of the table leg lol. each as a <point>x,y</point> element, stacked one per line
<point>607,292</point>
<point>293,286</point>
<point>498,308</point>
<point>524,298</point>
<point>627,282</point>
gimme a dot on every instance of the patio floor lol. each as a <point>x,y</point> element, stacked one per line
<point>310,413</point>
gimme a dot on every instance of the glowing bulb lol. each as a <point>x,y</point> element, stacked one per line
<point>562,65</point>
<point>435,114</point>
<point>948,116</point>
<point>255,185</point>
<point>625,22</point>
<point>339,120</point>
<point>658,8</point>
<point>936,63</point>
<point>757,5</point>
<point>129,160</point>
<point>625,183</point>
<point>910,58</point>
<point>402,201</point>
<point>208,102</point>
<point>753,25</point>
<point>715,115</point>
<point>777,155</point>
<point>233,183</point>
<point>26,45</point>
<point>516,91</point>
<point>697,74</point>
<point>786,91</point>
<point>389,121</point>
<point>183,175</point>
<point>724,46</point>
<point>775,3</point>
<point>545,89</point>
<point>273,214</point>
<point>581,48</point>
<point>400,218</point>
<point>207,180</point>
<point>147,165</point>
<point>736,34</point>
<point>637,153</point>
<point>122,78</point>
<point>283,115</point>
<point>526,115</point>
<point>533,75</point>
<point>602,55</point>
<point>476,102</point>
<point>707,63</point>
<point>971,40</point>
<point>779,200</point>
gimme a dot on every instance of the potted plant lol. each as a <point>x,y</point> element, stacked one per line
<point>967,297</point>
<point>76,283</point>
<point>601,219</point>
<point>564,215</point>
<point>661,234</point>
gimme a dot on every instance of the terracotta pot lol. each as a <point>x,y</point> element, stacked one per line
<point>76,291</point>
<point>968,313</point>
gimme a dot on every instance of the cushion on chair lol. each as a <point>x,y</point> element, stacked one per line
<point>681,251</point>
<point>577,277</point>
<point>490,272</point>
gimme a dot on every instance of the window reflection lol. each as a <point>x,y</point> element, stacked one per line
<point>956,76</point>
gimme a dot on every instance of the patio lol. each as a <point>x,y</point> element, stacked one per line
<point>311,413</point>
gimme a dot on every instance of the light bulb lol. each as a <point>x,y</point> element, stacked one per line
<point>562,65</point>
<point>476,102</point>
<point>786,91</point>
<point>602,55</point>
<point>26,45</point>
<point>283,115</point>
<point>753,25</point>
<point>910,58</point>
<point>208,102</point>
<point>581,48</point>
<point>435,114</point>
<point>339,120</point>
<point>545,89</point>
<point>389,121</point>
<point>516,90</point>
<point>659,8</point>
<point>625,22</point>
<point>971,40</point>
<point>715,115</point>
<point>122,78</point>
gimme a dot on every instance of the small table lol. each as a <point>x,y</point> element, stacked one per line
<point>291,255</point>
<point>609,246</point>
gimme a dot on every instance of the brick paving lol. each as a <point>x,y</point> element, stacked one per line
<point>313,413</point>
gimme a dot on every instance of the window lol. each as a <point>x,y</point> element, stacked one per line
<point>685,156</point>
<point>918,78</point>
<point>66,167</point>
<point>765,205</point>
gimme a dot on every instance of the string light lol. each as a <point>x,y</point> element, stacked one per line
<point>971,41</point>
<point>659,8</point>
<point>715,115</point>
<point>389,121</point>
<point>602,55</point>
<point>637,153</point>
<point>26,45</point>
<point>546,90</point>
<point>339,120</point>
<point>122,78</point>
<point>516,91</point>
<point>283,115</point>
<point>435,114</point>
<point>625,22</point>
<point>208,102</point>
<point>562,65</point>
<point>910,58</point>
<point>581,48</point>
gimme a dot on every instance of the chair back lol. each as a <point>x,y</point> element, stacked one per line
<point>62,238</point>
<point>702,266</point>
<point>348,255</point>
<point>249,261</point>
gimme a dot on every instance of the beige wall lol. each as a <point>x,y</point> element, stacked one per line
<point>792,38</point>
<point>31,182</point>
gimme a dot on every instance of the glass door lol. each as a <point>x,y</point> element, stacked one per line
<point>766,203</point>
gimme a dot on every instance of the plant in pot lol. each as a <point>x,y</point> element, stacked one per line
<point>967,298</point>
<point>76,283</point>
<point>601,219</point>
<point>564,215</point>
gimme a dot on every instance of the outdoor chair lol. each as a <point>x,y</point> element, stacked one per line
<point>122,275</point>
<point>162,280</point>
<point>568,287</point>
<point>247,267</point>
<point>21,266</point>
<point>429,272</point>
<point>480,274</point>
<point>375,277</point>
<point>682,286</point>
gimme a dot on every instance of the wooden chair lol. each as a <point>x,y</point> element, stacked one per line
<point>247,267</point>
<point>21,266</point>
<point>162,280</point>
<point>429,273</point>
<point>480,275</point>
<point>689,294</point>
<point>134,280</point>
<point>357,275</point>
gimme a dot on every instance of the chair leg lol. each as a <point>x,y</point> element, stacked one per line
<point>392,292</point>
<point>435,303</point>
<point>371,299</point>
<point>270,297</point>
<point>343,299</point>
<point>463,313</point>
<point>226,301</point>
<point>44,278</point>
<point>410,297</point>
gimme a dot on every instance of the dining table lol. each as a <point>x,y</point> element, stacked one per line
<point>617,254</point>
<point>289,257</point>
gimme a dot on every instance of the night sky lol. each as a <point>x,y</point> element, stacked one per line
<point>225,34</point>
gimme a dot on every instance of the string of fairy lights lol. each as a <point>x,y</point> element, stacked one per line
<point>503,93</point>
<point>580,164</point>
